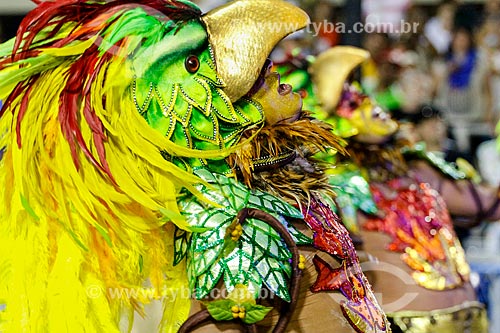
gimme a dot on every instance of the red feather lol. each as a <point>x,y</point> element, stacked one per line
<point>90,19</point>
<point>22,111</point>
<point>20,87</point>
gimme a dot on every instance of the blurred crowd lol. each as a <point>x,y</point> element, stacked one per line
<point>452,65</point>
<point>443,76</point>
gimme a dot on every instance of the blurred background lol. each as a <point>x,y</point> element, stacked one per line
<point>443,75</point>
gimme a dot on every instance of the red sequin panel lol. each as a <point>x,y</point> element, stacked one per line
<point>418,221</point>
<point>361,308</point>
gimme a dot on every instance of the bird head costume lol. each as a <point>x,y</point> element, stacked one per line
<point>108,108</point>
<point>385,164</point>
<point>321,98</point>
<point>117,124</point>
<point>367,120</point>
<point>414,214</point>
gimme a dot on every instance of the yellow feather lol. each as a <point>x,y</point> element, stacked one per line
<point>72,49</point>
<point>66,295</point>
<point>74,230</point>
<point>177,296</point>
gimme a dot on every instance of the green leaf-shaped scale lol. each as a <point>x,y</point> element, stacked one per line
<point>258,256</point>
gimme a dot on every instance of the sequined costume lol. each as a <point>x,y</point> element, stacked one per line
<point>352,192</point>
<point>418,222</point>
<point>120,123</point>
<point>414,216</point>
<point>416,219</point>
<point>304,182</point>
<point>410,212</point>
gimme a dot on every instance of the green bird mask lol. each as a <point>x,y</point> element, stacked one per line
<point>184,72</point>
<point>109,106</point>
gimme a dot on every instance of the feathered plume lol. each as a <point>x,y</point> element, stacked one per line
<point>287,151</point>
<point>86,195</point>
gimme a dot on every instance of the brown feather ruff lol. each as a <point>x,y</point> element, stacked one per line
<point>383,162</point>
<point>300,178</point>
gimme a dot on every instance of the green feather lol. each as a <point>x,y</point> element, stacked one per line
<point>25,69</point>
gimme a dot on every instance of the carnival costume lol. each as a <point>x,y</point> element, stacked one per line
<point>413,218</point>
<point>124,126</point>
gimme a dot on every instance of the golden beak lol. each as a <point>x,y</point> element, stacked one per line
<point>330,71</point>
<point>243,33</point>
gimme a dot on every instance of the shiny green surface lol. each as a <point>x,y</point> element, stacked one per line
<point>187,107</point>
<point>419,152</point>
<point>353,194</point>
<point>259,256</point>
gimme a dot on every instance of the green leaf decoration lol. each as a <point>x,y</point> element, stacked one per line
<point>240,196</point>
<point>202,260</point>
<point>199,216</point>
<point>273,275</point>
<point>206,175</point>
<point>258,255</point>
<point>207,281</point>
<point>236,267</point>
<point>208,246</point>
<point>229,246</point>
<point>239,301</point>
<point>261,235</point>
<point>181,239</point>
<point>255,313</point>
<point>298,237</point>
<point>194,211</point>
<point>272,204</point>
<point>250,277</point>
<point>237,193</point>
<point>254,281</point>
<point>221,310</point>
<point>216,217</point>
<point>239,270</point>
<point>192,207</point>
<point>215,224</point>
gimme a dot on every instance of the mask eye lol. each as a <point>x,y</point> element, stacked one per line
<point>192,64</point>
<point>302,93</point>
